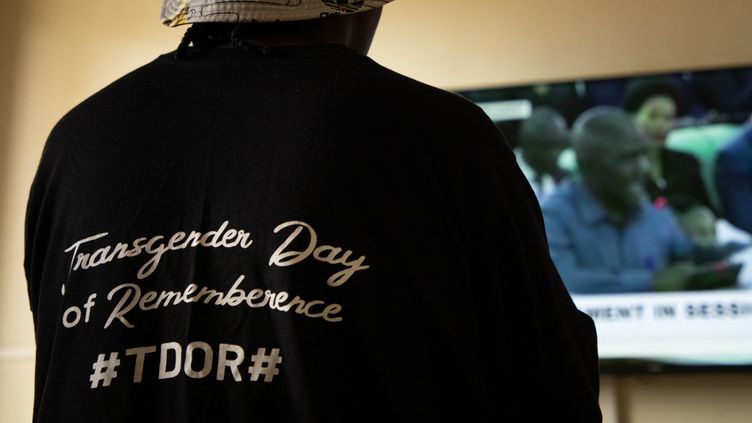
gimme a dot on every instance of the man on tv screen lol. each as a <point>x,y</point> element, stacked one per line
<point>604,235</point>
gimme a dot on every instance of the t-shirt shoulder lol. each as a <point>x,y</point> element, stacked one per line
<point>440,99</point>
<point>127,88</point>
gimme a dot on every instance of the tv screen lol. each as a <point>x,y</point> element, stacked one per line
<point>645,183</point>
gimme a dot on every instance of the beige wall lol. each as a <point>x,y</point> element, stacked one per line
<point>61,53</point>
<point>56,53</point>
<point>505,41</point>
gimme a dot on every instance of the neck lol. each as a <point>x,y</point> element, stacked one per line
<point>354,31</point>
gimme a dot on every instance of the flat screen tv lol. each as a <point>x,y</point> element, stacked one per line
<point>704,321</point>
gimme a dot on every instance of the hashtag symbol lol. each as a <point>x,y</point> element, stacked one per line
<point>104,370</point>
<point>265,365</point>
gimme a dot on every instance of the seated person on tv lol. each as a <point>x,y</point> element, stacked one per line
<point>697,221</point>
<point>653,104</point>
<point>542,138</point>
<point>604,236</point>
<point>733,178</point>
<point>700,224</point>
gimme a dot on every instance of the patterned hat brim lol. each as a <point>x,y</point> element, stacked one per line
<point>182,12</point>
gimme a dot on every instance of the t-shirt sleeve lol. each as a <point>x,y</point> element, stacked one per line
<point>544,341</point>
<point>44,196</point>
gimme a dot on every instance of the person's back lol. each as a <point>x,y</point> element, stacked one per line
<point>296,234</point>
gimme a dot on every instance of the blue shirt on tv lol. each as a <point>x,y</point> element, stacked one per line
<point>733,179</point>
<point>594,255</point>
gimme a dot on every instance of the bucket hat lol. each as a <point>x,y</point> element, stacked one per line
<point>181,12</point>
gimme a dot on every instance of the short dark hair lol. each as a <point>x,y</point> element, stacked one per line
<point>204,36</point>
<point>639,90</point>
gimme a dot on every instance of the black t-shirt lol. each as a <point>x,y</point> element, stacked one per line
<point>295,235</point>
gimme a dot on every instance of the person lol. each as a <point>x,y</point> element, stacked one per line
<point>543,136</point>
<point>703,227</point>
<point>266,225</point>
<point>654,104</point>
<point>698,222</point>
<point>603,234</point>
<point>733,177</point>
